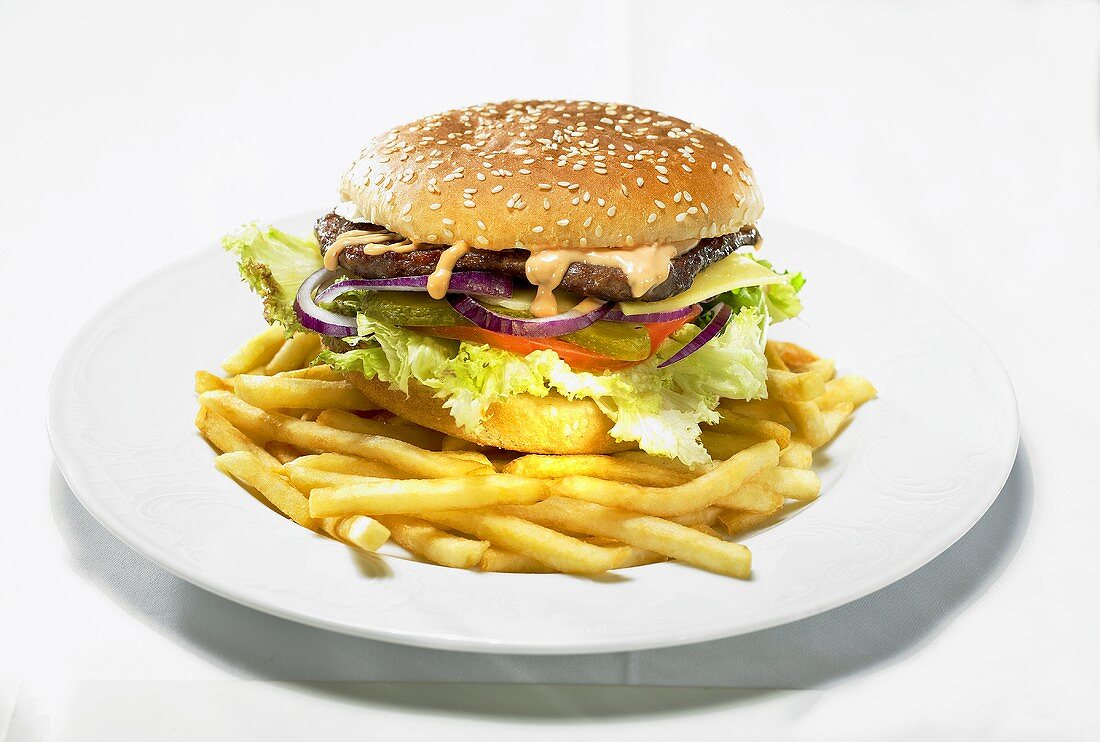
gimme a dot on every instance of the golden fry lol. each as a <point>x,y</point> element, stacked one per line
<point>852,389</point>
<point>257,351</point>
<point>737,521</point>
<point>296,352</point>
<point>307,479</point>
<point>642,531</point>
<point>734,423</point>
<point>759,409</point>
<point>320,372</point>
<point>787,386</point>
<point>411,433</point>
<point>790,482</point>
<point>311,436</point>
<point>835,417</point>
<point>788,356</point>
<point>281,392</point>
<point>389,496</point>
<point>226,438</point>
<point>501,560</point>
<point>753,498</point>
<point>722,446</point>
<point>283,452</point>
<point>706,516</point>
<point>247,468</point>
<point>434,544</point>
<point>556,550</point>
<point>719,482</point>
<point>343,464</point>
<point>357,530</point>
<point>798,454</point>
<point>208,382</point>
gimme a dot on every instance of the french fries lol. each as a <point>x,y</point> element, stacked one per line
<point>556,550</point>
<point>396,496</point>
<point>312,436</point>
<point>247,468</point>
<point>433,543</point>
<point>223,436</point>
<point>280,392</point>
<point>642,531</point>
<point>288,431</point>
<point>357,530</point>
<point>697,494</point>
<point>414,434</point>
<point>295,353</point>
<point>258,351</point>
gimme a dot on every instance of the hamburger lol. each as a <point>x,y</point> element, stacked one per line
<point>557,277</point>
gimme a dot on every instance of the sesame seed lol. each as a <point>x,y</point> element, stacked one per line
<point>480,224</point>
<point>546,204</point>
<point>588,222</point>
<point>640,182</point>
<point>448,221</point>
<point>435,206</point>
<point>652,218</point>
<point>681,216</point>
<point>481,240</point>
<point>676,198</point>
<point>563,222</point>
<point>663,179</point>
<point>536,230</point>
<point>545,186</point>
<point>496,189</point>
<point>611,211</point>
<point>469,204</point>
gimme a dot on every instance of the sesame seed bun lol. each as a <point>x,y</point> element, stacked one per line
<point>537,173</point>
<point>550,424</point>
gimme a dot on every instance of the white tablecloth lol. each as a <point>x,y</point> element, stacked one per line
<point>958,141</point>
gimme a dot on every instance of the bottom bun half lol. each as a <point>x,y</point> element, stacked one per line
<point>550,424</point>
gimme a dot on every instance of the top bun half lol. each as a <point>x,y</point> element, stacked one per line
<point>534,174</point>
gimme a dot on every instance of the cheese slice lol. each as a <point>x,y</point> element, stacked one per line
<point>734,272</point>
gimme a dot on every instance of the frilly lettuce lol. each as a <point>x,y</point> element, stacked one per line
<point>779,300</point>
<point>274,264</point>
<point>660,409</point>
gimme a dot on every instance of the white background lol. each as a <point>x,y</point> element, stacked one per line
<point>955,140</point>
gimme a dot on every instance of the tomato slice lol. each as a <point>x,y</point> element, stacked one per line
<point>577,357</point>
<point>659,331</point>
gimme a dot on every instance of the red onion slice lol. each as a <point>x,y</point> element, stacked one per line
<point>464,282</point>
<point>616,315</point>
<point>314,317</point>
<point>559,324</point>
<point>712,330</point>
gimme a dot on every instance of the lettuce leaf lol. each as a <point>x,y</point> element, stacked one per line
<point>274,264</point>
<point>778,301</point>
<point>659,409</point>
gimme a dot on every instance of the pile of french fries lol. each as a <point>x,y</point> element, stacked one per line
<point>307,442</point>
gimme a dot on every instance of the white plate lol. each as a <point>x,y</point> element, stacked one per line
<point>911,474</point>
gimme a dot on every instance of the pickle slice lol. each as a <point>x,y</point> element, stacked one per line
<point>620,340</point>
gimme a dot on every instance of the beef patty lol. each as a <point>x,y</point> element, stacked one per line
<point>599,281</point>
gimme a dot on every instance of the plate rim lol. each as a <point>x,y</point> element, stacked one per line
<point>164,558</point>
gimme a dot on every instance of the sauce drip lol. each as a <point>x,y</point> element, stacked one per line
<point>440,279</point>
<point>373,242</point>
<point>644,267</point>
